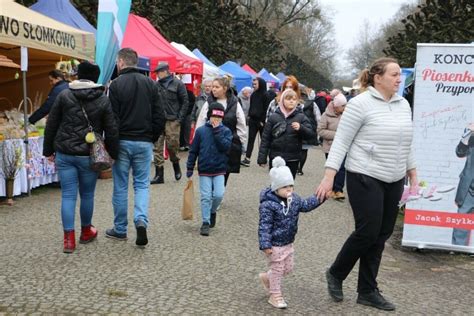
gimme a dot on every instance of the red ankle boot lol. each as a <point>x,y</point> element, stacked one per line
<point>88,234</point>
<point>69,241</point>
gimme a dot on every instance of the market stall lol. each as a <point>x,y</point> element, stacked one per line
<point>48,42</point>
<point>147,41</point>
<point>265,75</point>
<point>249,69</point>
<point>281,76</point>
<point>206,61</point>
<point>208,70</point>
<point>241,78</point>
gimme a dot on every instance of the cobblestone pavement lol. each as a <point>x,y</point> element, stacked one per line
<point>180,272</point>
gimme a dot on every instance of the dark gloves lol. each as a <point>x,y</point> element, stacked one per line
<point>189,173</point>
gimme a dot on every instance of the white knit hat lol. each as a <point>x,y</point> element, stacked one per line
<point>280,174</point>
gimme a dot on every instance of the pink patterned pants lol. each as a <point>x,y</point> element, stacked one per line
<point>281,264</point>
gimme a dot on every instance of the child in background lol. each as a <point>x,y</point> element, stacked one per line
<point>284,133</point>
<point>327,130</point>
<point>278,224</point>
<point>211,143</point>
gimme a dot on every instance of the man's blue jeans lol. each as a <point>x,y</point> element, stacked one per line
<point>136,155</point>
<point>212,192</point>
<point>75,173</point>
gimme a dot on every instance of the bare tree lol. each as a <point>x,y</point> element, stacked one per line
<point>276,14</point>
<point>371,44</point>
<point>300,25</point>
<point>366,49</point>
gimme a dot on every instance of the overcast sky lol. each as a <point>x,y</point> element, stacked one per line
<point>349,15</point>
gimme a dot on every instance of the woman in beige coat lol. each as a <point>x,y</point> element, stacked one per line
<point>326,130</point>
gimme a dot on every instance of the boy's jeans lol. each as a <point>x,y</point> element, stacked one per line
<point>136,155</point>
<point>212,192</point>
<point>75,173</point>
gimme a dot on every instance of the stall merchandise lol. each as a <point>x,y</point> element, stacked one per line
<point>37,167</point>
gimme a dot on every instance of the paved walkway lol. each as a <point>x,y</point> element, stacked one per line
<point>183,273</point>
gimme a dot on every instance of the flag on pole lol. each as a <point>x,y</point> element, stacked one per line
<point>111,24</point>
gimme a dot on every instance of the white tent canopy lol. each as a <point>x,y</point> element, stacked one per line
<point>209,71</point>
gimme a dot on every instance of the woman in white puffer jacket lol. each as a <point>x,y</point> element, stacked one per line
<point>376,133</point>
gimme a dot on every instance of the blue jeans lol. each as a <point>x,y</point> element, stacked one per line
<point>136,155</point>
<point>75,173</point>
<point>212,192</point>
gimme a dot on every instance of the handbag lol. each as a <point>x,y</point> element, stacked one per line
<point>100,159</point>
<point>279,129</point>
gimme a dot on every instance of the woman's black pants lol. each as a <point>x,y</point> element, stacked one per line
<point>375,207</point>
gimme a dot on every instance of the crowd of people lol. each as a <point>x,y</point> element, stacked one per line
<point>141,118</point>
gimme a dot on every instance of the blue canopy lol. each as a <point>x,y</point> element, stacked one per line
<point>281,76</point>
<point>202,57</point>
<point>143,63</point>
<point>205,60</point>
<point>265,75</point>
<point>63,11</point>
<point>241,78</point>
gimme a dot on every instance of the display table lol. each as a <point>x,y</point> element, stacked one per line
<point>40,170</point>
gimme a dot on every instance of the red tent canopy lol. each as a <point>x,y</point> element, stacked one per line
<point>147,41</point>
<point>249,69</point>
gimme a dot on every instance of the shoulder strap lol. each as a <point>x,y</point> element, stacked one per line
<point>89,125</point>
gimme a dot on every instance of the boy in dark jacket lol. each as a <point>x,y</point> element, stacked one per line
<point>211,143</point>
<point>278,224</point>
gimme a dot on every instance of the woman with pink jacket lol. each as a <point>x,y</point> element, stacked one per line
<point>326,130</point>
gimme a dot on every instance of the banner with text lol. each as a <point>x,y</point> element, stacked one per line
<point>441,215</point>
<point>20,26</point>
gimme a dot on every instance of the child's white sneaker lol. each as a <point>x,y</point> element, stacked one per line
<point>264,280</point>
<point>277,301</point>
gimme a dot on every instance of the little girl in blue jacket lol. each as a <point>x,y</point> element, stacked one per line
<point>279,211</point>
<point>211,144</point>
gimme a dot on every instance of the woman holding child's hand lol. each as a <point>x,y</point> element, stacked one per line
<point>376,133</point>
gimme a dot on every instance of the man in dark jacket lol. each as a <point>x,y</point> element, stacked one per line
<point>56,80</point>
<point>185,133</point>
<point>176,108</point>
<point>259,101</point>
<point>137,105</point>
